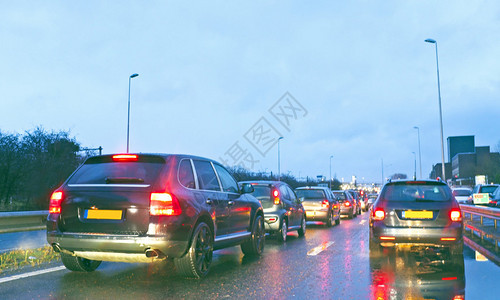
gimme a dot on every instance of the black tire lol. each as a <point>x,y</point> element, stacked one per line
<point>355,213</point>
<point>281,234</point>
<point>337,221</point>
<point>255,245</point>
<point>302,229</point>
<point>79,264</point>
<point>196,262</point>
<point>351,214</point>
<point>329,221</point>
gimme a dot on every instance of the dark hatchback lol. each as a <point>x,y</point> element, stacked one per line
<point>283,211</point>
<point>420,212</point>
<point>148,207</point>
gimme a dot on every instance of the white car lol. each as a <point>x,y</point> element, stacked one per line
<point>462,194</point>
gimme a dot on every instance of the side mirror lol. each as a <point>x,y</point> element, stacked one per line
<point>247,188</point>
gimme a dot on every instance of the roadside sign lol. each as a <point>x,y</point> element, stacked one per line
<point>481,198</point>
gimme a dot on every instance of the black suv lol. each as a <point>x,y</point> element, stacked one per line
<point>422,212</point>
<point>283,211</point>
<point>148,207</point>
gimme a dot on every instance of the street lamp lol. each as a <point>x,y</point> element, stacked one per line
<point>330,182</point>
<point>440,112</point>
<point>279,167</point>
<point>128,116</point>
<point>419,153</point>
<point>415,172</point>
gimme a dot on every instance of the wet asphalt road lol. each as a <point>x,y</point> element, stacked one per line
<point>329,263</point>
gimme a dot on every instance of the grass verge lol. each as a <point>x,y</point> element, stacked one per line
<point>16,259</point>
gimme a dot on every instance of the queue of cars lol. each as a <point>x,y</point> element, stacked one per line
<point>150,207</point>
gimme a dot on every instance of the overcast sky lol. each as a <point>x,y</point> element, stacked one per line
<point>223,80</point>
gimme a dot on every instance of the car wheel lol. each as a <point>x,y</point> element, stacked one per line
<point>337,221</point>
<point>351,214</point>
<point>79,264</point>
<point>302,229</point>
<point>196,262</point>
<point>329,220</point>
<point>355,213</point>
<point>283,231</point>
<point>255,245</point>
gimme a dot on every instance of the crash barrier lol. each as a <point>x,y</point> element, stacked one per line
<point>23,221</point>
<point>482,229</point>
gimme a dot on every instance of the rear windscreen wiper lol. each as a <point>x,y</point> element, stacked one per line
<point>425,200</point>
<point>124,180</point>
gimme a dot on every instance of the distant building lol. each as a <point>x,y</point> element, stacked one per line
<point>466,161</point>
<point>460,144</point>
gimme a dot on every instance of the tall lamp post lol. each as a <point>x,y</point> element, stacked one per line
<point>419,153</point>
<point>279,166</point>
<point>128,115</point>
<point>330,181</point>
<point>415,172</point>
<point>440,111</point>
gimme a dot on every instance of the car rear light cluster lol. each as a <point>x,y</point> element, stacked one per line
<point>55,202</point>
<point>456,215</point>
<point>347,203</point>
<point>164,204</point>
<point>378,214</point>
<point>325,204</point>
<point>276,195</point>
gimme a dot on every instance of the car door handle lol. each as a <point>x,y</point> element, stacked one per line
<point>230,203</point>
<point>209,201</point>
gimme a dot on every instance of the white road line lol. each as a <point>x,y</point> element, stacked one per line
<point>31,274</point>
<point>362,222</point>
<point>319,249</point>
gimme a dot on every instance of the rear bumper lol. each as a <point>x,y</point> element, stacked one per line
<point>272,226</point>
<point>117,243</point>
<point>346,210</point>
<point>433,236</point>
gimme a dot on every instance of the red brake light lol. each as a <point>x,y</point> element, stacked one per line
<point>55,202</point>
<point>164,204</point>
<point>125,157</point>
<point>455,215</point>
<point>325,203</point>
<point>378,214</point>
<point>276,195</point>
<point>347,203</point>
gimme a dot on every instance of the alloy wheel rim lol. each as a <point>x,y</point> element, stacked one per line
<point>203,250</point>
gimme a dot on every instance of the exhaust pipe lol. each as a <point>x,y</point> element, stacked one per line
<point>151,253</point>
<point>58,249</point>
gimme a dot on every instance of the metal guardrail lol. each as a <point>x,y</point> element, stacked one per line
<point>482,230</point>
<point>23,221</point>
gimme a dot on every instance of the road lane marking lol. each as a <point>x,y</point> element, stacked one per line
<point>362,222</point>
<point>319,249</point>
<point>31,274</point>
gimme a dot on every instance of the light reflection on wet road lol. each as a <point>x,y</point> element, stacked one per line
<point>342,270</point>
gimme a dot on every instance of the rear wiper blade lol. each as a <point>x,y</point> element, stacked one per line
<point>424,200</point>
<point>124,180</point>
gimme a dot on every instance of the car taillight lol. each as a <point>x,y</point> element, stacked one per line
<point>125,157</point>
<point>378,214</point>
<point>276,195</point>
<point>455,215</point>
<point>164,204</point>
<point>55,202</point>
<point>347,203</point>
<point>325,204</point>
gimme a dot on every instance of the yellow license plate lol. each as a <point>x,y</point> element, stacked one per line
<point>310,213</point>
<point>103,214</point>
<point>410,214</point>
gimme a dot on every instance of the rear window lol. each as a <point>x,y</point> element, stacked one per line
<point>262,192</point>
<point>340,195</point>
<point>416,193</point>
<point>106,171</point>
<point>488,189</point>
<point>310,194</point>
<point>462,192</point>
